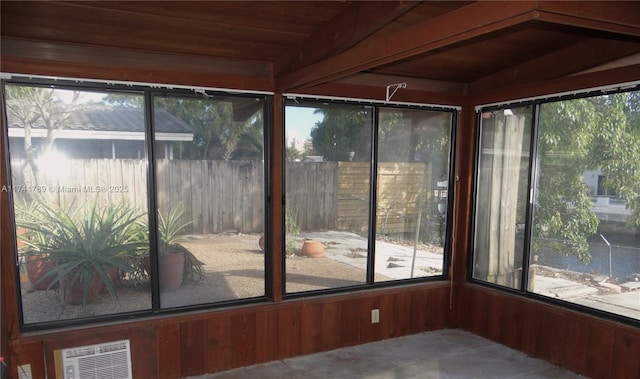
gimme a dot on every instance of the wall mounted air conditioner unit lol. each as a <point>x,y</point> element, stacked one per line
<point>111,360</point>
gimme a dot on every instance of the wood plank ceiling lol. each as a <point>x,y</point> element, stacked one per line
<point>441,46</point>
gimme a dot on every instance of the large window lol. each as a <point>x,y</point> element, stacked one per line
<point>563,222</point>
<point>338,156</point>
<point>100,232</point>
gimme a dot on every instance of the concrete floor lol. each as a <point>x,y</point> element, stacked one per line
<point>443,354</point>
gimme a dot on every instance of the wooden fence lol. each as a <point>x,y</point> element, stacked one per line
<point>403,192</point>
<point>221,196</point>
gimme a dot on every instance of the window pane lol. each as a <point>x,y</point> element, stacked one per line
<point>80,198</point>
<point>586,236</point>
<point>502,196</point>
<point>413,172</point>
<point>210,198</point>
<point>327,190</point>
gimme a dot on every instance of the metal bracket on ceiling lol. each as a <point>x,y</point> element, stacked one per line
<point>395,87</point>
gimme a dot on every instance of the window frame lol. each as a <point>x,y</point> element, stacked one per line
<point>532,181</point>
<point>146,91</point>
<point>370,283</point>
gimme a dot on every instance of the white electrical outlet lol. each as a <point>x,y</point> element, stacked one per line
<point>375,316</point>
<point>24,372</point>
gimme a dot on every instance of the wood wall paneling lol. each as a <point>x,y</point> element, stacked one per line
<point>311,328</point>
<point>594,347</point>
<point>186,345</point>
<point>168,350</point>
<point>600,351</point>
<point>626,353</point>
<point>243,341</point>
<point>219,348</point>
<point>576,345</point>
<point>193,347</point>
<point>267,336</point>
<point>331,317</point>
<point>144,359</point>
<point>289,332</point>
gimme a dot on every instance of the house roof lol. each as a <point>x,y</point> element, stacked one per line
<point>109,122</point>
<point>451,48</point>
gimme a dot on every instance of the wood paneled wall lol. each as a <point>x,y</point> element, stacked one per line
<point>196,344</point>
<point>588,345</point>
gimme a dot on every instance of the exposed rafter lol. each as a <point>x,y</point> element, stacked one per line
<point>621,17</point>
<point>474,20</point>
<point>461,24</point>
<point>356,23</point>
<point>592,53</point>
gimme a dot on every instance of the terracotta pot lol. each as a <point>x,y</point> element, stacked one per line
<point>171,271</point>
<point>312,249</point>
<point>261,242</point>
<point>38,265</point>
<point>113,273</point>
<point>74,293</point>
<point>19,242</point>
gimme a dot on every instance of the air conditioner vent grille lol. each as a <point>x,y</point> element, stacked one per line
<point>104,361</point>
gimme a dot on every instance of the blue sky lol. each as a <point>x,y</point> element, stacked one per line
<point>298,124</point>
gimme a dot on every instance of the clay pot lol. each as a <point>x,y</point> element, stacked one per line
<point>74,293</point>
<point>312,249</point>
<point>114,275</point>
<point>171,271</point>
<point>38,265</point>
<point>261,242</point>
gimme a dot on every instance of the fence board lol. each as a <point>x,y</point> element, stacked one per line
<point>399,188</point>
<point>220,196</point>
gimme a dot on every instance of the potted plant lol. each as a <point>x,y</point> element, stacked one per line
<point>176,263</point>
<point>85,245</point>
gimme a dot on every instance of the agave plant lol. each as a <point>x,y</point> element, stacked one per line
<point>170,229</point>
<point>84,242</point>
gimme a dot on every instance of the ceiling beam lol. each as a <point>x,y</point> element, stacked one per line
<point>456,26</point>
<point>108,56</point>
<point>592,52</point>
<point>354,24</point>
<point>62,69</point>
<point>620,17</point>
<point>565,84</point>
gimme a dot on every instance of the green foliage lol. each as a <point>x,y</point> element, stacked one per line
<point>292,154</point>
<point>579,135</point>
<point>217,136</point>
<point>170,227</point>
<point>292,230</point>
<point>341,132</point>
<point>82,241</point>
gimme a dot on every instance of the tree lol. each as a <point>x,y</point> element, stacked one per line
<point>217,136</point>
<point>292,153</point>
<point>41,108</point>
<point>617,147</point>
<point>343,134</point>
<point>579,135</point>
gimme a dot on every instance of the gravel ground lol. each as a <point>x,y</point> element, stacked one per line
<point>234,267</point>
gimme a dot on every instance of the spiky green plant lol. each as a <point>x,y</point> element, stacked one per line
<point>83,241</point>
<point>170,228</point>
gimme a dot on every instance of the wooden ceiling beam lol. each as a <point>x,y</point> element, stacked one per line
<point>592,52</point>
<point>108,56</point>
<point>580,82</point>
<point>619,17</point>
<point>467,22</point>
<point>357,22</point>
